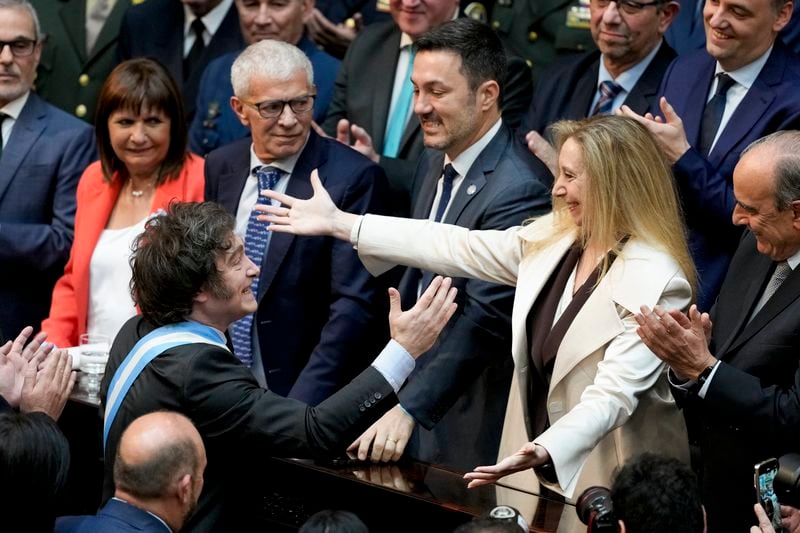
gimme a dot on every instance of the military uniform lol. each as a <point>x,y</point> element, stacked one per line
<point>69,77</point>
<point>541,30</point>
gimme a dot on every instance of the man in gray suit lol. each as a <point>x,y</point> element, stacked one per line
<point>476,175</point>
<point>372,99</point>
<point>43,151</point>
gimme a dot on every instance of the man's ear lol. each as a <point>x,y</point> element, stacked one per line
<point>185,489</point>
<point>488,94</point>
<point>238,108</point>
<point>795,207</point>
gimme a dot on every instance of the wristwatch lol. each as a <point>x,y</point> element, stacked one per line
<point>702,378</point>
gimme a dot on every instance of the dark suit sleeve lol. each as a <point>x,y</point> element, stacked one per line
<point>39,246</point>
<point>353,296</point>
<point>225,402</point>
<point>481,332</point>
<point>707,194</point>
<point>517,92</point>
<point>337,109</point>
<point>739,399</point>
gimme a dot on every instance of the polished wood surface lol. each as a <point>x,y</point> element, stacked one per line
<point>399,497</point>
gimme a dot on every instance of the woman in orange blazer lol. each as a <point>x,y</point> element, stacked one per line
<point>143,166</point>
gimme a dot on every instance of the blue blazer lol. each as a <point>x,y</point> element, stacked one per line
<point>155,29</point>
<point>39,170</point>
<point>115,517</point>
<point>320,316</point>
<point>215,124</point>
<point>706,183</point>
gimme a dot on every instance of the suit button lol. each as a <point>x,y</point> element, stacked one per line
<point>533,36</point>
<point>529,62</point>
<point>362,408</point>
<point>80,111</point>
<point>83,80</point>
<point>495,24</point>
<point>378,395</point>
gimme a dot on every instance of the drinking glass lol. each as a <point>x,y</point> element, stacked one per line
<point>94,356</point>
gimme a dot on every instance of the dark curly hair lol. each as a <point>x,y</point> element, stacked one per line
<point>656,494</point>
<point>176,257</point>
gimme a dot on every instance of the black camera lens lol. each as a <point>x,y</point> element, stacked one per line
<point>594,505</point>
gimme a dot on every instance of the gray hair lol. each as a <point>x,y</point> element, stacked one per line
<point>24,4</point>
<point>786,147</point>
<point>274,60</point>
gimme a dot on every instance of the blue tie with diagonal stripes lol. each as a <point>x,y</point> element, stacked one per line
<point>255,243</point>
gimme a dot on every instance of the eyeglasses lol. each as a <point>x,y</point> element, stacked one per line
<point>274,108</point>
<point>629,7</point>
<point>19,47</point>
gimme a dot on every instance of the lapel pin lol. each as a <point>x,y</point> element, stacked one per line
<point>471,189</point>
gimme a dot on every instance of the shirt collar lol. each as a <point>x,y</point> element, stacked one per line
<point>286,164</point>
<point>14,107</point>
<point>463,161</point>
<point>211,20</point>
<point>628,79</point>
<point>794,260</point>
<point>747,74</point>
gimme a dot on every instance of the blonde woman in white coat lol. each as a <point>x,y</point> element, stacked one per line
<point>614,242</point>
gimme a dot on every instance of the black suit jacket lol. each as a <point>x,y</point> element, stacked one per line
<point>462,382</point>
<point>320,313</point>
<point>751,411</point>
<point>567,89</point>
<point>363,94</point>
<point>155,29</point>
<point>241,424</point>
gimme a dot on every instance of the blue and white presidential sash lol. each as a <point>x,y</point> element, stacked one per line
<point>148,348</point>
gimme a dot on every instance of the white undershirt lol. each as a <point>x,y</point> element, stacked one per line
<point>110,301</point>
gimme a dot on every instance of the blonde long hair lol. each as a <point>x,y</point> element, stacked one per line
<point>629,191</point>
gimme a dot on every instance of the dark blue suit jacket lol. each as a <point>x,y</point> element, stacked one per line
<point>115,517</point>
<point>462,382</point>
<point>215,124</point>
<point>39,170</point>
<point>320,314</point>
<point>567,89</point>
<point>706,184</point>
<point>687,33</point>
<point>155,29</point>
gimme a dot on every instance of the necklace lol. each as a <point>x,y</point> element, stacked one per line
<point>137,194</point>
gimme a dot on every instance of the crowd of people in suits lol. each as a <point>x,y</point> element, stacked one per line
<point>612,187</point>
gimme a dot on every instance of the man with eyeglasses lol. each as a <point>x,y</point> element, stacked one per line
<point>43,152</point>
<point>626,69</point>
<point>714,102</point>
<point>318,308</point>
<point>215,124</point>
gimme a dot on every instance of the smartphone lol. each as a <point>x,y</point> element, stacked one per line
<point>765,473</point>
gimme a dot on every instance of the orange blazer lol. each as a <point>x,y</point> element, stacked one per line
<point>96,199</point>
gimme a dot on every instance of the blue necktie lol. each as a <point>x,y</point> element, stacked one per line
<point>712,116</point>
<point>255,244</point>
<point>608,91</point>
<point>397,122</point>
<point>447,190</point>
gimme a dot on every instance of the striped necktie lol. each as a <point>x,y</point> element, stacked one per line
<point>608,91</point>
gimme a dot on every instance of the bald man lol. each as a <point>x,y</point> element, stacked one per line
<point>158,474</point>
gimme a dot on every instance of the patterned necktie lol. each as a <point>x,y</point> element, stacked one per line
<point>715,108</point>
<point>782,271</point>
<point>447,190</point>
<point>608,91</point>
<point>255,243</point>
<point>397,122</point>
<point>193,57</point>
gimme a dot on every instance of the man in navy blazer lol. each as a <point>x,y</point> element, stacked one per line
<point>44,152</point>
<point>761,99</point>
<point>317,305</point>
<point>572,88</point>
<point>158,477</point>
<point>160,29</point>
<point>463,381</point>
